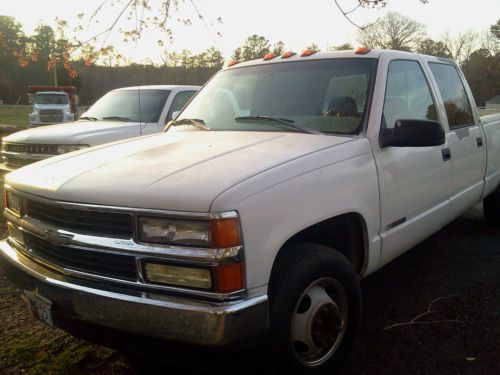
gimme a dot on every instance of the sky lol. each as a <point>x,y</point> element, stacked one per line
<point>297,23</point>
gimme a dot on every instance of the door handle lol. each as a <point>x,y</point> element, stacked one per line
<point>446,154</point>
<point>479,141</point>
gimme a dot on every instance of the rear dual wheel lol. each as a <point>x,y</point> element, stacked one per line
<point>315,309</point>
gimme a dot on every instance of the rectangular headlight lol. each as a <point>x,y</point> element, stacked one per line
<point>181,276</point>
<point>174,231</point>
<point>13,203</point>
<point>214,233</point>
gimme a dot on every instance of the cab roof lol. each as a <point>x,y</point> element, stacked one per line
<point>370,54</point>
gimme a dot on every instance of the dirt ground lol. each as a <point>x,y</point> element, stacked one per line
<point>457,271</point>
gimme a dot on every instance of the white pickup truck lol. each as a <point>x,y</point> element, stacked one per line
<point>120,114</point>
<point>280,185</point>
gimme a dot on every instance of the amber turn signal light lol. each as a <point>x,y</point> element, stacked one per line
<point>225,233</point>
<point>232,62</point>
<point>269,56</point>
<point>308,52</point>
<point>229,278</point>
<point>362,50</point>
<point>288,54</point>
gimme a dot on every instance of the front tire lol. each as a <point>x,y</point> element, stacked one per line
<point>315,310</point>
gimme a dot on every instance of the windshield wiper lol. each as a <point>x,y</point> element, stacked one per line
<point>118,118</point>
<point>88,118</point>
<point>196,122</point>
<point>284,121</point>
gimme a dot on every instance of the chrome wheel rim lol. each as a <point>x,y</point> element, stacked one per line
<point>319,322</point>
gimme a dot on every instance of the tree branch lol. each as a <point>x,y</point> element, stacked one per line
<point>110,29</point>
<point>198,12</point>
<point>353,9</point>
<point>346,15</point>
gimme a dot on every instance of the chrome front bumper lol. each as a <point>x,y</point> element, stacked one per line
<point>131,311</point>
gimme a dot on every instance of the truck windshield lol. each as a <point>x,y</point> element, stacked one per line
<point>129,105</point>
<point>327,96</point>
<point>51,99</point>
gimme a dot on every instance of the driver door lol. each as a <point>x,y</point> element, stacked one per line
<point>414,181</point>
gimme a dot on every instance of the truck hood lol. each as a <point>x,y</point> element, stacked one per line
<point>182,171</point>
<point>73,133</point>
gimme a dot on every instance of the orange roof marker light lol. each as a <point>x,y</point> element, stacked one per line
<point>232,62</point>
<point>362,50</point>
<point>269,56</point>
<point>308,52</point>
<point>288,54</point>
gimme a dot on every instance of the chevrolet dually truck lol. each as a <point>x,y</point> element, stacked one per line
<point>282,183</point>
<point>120,114</point>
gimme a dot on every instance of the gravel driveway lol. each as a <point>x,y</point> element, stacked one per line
<point>434,310</point>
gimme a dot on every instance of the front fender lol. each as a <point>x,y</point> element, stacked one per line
<point>278,203</point>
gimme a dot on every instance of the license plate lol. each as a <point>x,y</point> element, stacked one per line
<point>40,307</point>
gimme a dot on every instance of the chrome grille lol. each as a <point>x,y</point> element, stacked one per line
<point>101,223</point>
<point>51,115</point>
<point>50,112</point>
<point>31,148</point>
<point>93,262</point>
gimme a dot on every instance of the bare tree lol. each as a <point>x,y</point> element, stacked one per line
<point>461,46</point>
<point>431,47</point>
<point>393,31</point>
<point>490,42</point>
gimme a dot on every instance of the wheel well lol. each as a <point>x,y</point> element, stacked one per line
<point>345,233</point>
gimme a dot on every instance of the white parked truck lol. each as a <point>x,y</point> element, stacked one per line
<point>120,114</point>
<point>52,104</point>
<point>280,185</point>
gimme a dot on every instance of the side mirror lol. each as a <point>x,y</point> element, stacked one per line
<point>412,133</point>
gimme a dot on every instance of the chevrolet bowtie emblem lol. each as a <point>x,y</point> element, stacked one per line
<point>57,239</point>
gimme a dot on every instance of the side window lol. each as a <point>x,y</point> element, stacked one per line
<point>407,95</point>
<point>454,96</point>
<point>178,103</point>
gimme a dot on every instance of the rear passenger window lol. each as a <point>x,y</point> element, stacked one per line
<point>454,96</point>
<point>407,95</point>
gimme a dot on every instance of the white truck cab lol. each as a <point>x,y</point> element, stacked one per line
<point>50,107</point>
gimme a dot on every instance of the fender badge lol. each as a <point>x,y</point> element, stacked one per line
<point>57,239</point>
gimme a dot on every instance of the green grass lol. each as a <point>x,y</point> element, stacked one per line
<point>14,115</point>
